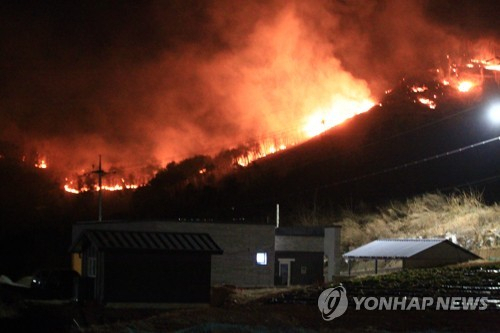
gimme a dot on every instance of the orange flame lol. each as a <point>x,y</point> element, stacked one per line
<point>42,164</point>
<point>465,86</point>
<point>117,187</point>
<point>70,187</point>
<point>320,121</point>
<point>428,102</point>
<point>418,89</point>
<point>262,151</point>
<point>335,114</point>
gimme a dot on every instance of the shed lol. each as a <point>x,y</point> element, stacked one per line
<point>414,253</point>
<point>145,266</point>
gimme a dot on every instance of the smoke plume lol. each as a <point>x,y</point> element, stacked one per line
<point>150,82</point>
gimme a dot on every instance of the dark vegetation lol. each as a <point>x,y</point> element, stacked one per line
<point>466,280</point>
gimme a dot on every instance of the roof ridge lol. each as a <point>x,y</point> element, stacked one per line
<point>411,239</point>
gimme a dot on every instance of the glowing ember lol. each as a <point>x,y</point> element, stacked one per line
<point>428,102</point>
<point>417,89</point>
<point>70,190</point>
<point>42,164</point>
<point>118,187</point>
<point>465,86</point>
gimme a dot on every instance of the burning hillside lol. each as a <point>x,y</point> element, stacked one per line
<point>150,83</point>
<point>430,90</point>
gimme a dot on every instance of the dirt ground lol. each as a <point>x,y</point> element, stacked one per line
<point>255,317</point>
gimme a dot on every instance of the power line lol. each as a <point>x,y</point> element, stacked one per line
<point>396,135</point>
<point>392,169</point>
<point>431,123</point>
<point>413,163</point>
<point>486,180</point>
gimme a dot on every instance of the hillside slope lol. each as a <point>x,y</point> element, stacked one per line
<point>399,149</point>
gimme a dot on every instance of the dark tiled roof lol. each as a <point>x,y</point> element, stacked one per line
<point>143,240</point>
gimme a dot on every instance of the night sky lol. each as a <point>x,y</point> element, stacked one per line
<point>152,81</point>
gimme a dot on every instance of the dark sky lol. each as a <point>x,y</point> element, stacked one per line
<point>143,81</point>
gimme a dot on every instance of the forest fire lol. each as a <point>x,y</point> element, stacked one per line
<point>324,113</point>
<point>336,114</point>
<point>71,187</point>
<point>259,151</point>
<point>320,121</point>
<point>464,79</point>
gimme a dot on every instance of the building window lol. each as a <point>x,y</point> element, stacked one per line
<point>261,258</point>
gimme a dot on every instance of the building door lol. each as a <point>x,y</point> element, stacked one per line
<point>285,270</point>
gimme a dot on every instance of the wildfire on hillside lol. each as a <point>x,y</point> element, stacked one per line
<point>318,122</point>
<point>322,110</point>
<point>71,188</point>
<point>111,182</point>
<point>465,80</point>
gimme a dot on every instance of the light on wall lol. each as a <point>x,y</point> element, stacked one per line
<point>261,258</point>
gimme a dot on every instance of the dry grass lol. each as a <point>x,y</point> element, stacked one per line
<point>463,217</point>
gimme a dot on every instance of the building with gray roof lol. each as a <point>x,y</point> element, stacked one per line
<point>414,253</point>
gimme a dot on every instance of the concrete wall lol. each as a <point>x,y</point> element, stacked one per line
<point>299,243</point>
<point>332,252</point>
<point>240,242</point>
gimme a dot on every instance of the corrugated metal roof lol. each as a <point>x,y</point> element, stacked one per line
<point>143,240</point>
<point>393,248</point>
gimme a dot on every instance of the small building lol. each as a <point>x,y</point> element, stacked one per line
<point>306,255</point>
<point>414,253</point>
<point>117,256</point>
<point>248,258</point>
<point>145,266</point>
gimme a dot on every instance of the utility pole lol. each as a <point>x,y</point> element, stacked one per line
<point>100,172</point>
<point>277,215</point>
